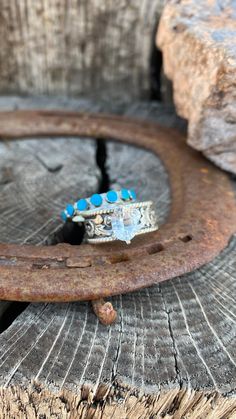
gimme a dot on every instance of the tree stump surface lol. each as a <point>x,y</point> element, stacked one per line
<point>198,41</point>
<point>171,353</point>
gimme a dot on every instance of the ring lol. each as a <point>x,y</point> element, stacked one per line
<point>115,215</point>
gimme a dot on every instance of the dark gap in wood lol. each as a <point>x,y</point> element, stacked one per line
<point>53,169</point>
<point>174,406</point>
<point>155,67</point>
<point>186,239</point>
<point>72,233</point>
<point>101,158</point>
<point>11,313</point>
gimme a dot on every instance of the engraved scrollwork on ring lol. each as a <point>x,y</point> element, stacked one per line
<point>148,217</point>
<point>99,226</point>
<point>102,226</point>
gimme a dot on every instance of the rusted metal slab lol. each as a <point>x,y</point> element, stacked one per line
<point>201,221</point>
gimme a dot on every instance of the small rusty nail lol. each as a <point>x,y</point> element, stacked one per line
<point>104,311</point>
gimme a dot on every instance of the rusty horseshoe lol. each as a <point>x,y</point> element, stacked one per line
<point>200,224</point>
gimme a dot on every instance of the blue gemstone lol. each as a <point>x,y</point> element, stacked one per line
<point>63,216</point>
<point>70,210</point>
<point>82,205</point>
<point>96,200</point>
<point>133,194</point>
<point>112,196</point>
<point>125,194</point>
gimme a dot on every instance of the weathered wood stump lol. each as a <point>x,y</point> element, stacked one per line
<point>171,352</point>
<point>198,41</point>
<point>84,47</point>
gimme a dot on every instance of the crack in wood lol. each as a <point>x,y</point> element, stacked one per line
<point>70,386</point>
<point>175,352</point>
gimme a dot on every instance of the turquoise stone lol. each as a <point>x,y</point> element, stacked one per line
<point>70,210</point>
<point>112,196</point>
<point>133,194</point>
<point>124,194</point>
<point>82,205</point>
<point>96,200</point>
<point>63,216</point>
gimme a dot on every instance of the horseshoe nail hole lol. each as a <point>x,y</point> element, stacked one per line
<point>186,238</point>
<point>40,266</point>
<point>118,259</point>
<point>155,248</point>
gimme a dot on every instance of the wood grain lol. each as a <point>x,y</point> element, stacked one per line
<point>77,47</point>
<point>170,354</point>
<point>171,341</point>
<point>38,178</point>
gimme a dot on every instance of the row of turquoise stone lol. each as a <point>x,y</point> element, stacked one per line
<point>97,200</point>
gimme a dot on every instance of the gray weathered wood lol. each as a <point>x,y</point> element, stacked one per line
<point>171,353</point>
<point>198,41</point>
<point>78,47</point>
<point>38,178</point>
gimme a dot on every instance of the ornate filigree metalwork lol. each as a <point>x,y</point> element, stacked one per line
<point>100,227</point>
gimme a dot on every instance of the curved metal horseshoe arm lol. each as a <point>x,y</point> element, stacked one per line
<point>202,218</point>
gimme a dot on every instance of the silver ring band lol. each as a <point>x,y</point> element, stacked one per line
<point>116,215</point>
<point>122,222</point>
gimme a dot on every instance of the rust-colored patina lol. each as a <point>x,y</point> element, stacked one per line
<point>201,221</point>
